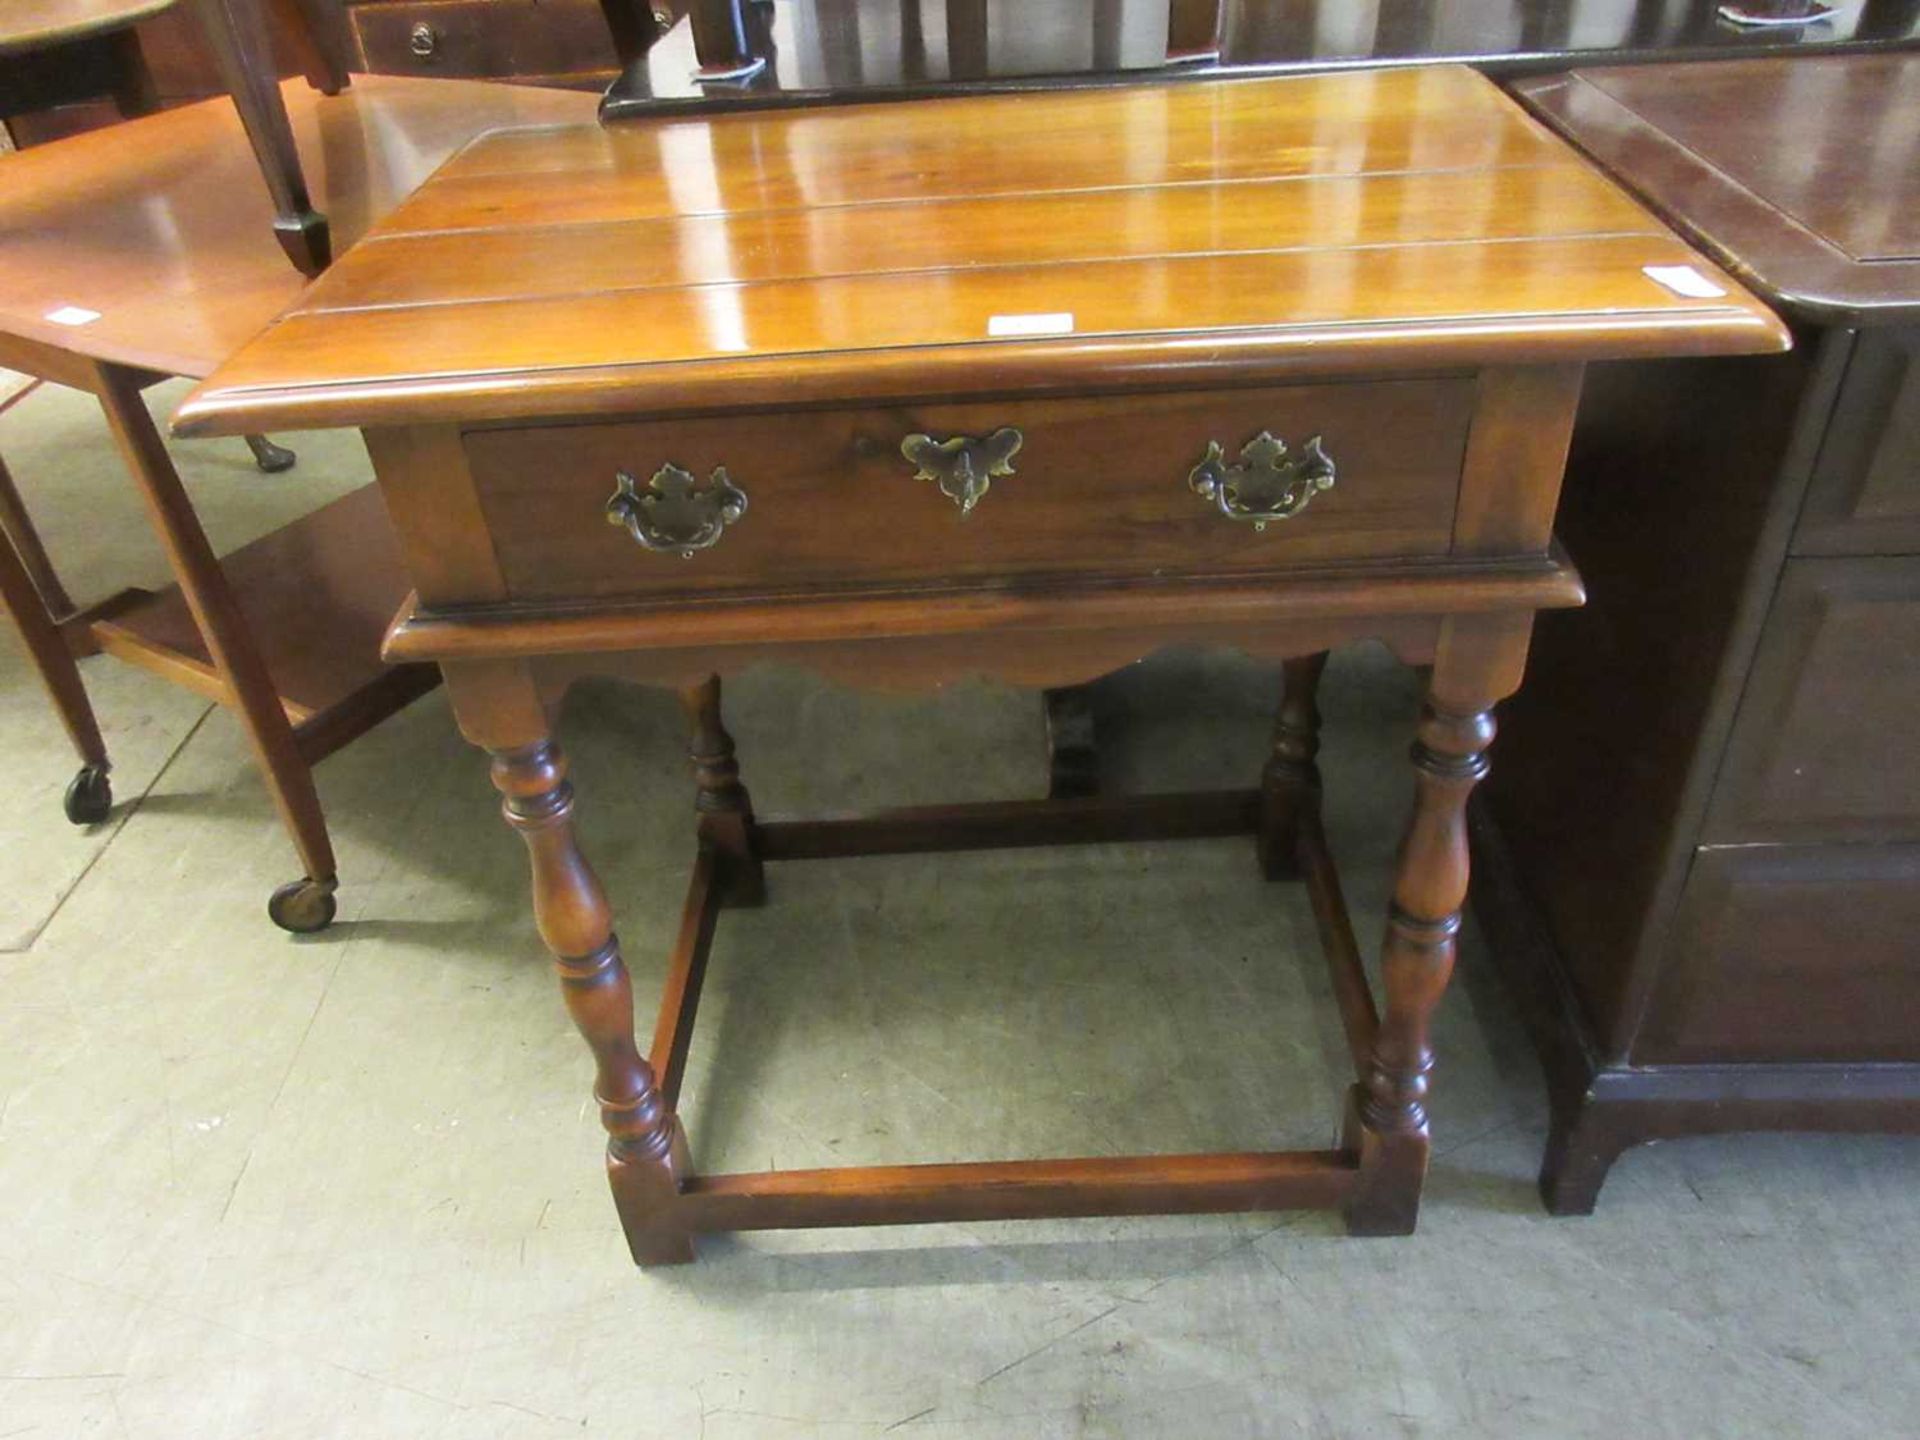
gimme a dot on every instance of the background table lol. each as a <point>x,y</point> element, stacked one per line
<point>1727,941</point>
<point>142,251</point>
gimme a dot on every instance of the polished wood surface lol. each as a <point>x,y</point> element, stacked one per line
<point>754,321</point>
<point>1728,945</point>
<point>816,50</point>
<point>32,24</point>
<point>836,248</point>
<point>1803,174</point>
<point>161,225</point>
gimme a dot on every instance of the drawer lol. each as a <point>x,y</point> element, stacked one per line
<point>1823,744</point>
<point>1865,494</point>
<point>555,41</point>
<point>1783,953</point>
<point>1097,485</point>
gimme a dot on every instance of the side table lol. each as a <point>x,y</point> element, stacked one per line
<point>1028,386</point>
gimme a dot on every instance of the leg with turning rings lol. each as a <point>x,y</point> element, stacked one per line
<point>646,1149</point>
<point>1290,778</point>
<point>724,807</point>
<point>1478,664</point>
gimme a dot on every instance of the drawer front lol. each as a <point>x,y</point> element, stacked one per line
<point>1823,745</point>
<point>1792,953</point>
<point>1865,495</point>
<point>1097,486</point>
<point>556,41</point>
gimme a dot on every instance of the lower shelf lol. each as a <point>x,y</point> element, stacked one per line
<point>317,596</point>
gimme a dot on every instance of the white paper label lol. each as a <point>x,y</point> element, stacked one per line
<point>1058,323</point>
<point>1683,280</point>
<point>72,315</point>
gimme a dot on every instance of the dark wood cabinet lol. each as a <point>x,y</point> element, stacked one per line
<point>1701,859</point>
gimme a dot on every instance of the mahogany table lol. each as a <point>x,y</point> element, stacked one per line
<point>1020,386</point>
<point>143,251</point>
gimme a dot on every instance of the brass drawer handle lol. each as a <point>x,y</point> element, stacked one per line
<point>965,466</point>
<point>1270,485</point>
<point>676,511</point>
<point>423,39</point>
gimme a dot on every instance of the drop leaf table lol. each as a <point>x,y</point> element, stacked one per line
<point>1023,386</point>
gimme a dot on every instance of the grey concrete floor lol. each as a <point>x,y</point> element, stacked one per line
<point>350,1186</point>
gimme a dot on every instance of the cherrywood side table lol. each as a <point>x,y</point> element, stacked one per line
<point>143,251</point>
<point>1020,386</point>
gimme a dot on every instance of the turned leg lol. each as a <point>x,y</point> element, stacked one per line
<point>1290,778</point>
<point>1073,754</point>
<point>646,1150</point>
<point>1479,663</point>
<point>722,802</point>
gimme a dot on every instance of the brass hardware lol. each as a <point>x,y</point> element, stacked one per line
<point>1270,485</point>
<point>676,511</point>
<point>423,39</point>
<point>965,466</point>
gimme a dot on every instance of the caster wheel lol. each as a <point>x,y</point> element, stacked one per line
<point>271,458</point>
<point>89,796</point>
<point>302,906</point>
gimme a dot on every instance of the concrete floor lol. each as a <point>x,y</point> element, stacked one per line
<point>350,1186</point>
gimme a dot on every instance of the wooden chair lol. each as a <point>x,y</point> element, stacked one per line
<point>727,43</point>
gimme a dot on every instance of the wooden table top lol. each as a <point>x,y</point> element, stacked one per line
<point>1804,176</point>
<point>162,226</point>
<point>1152,235</point>
<point>31,24</point>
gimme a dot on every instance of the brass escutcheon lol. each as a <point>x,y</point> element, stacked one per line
<point>965,466</point>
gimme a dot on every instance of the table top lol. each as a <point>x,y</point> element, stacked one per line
<point>844,48</point>
<point>1155,235</point>
<point>30,24</point>
<point>1804,176</point>
<point>161,227</point>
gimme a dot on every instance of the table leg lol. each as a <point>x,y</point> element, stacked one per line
<point>1290,778</point>
<point>90,795</point>
<point>237,32</point>
<point>1073,751</point>
<point>1477,665</point>
<point>306,904</point>
<point>16,527</point>
<point>646,1149</point>
<point>722,802</point>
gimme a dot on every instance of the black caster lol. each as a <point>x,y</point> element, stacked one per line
<point>303,906</point>
<point>89,796</point>
<point>270,457</point>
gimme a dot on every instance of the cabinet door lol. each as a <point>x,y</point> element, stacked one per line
<point>1865,496</point>
<point>1826,744</point>
<point>1791,953</point>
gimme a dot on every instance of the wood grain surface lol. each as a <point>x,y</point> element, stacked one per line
<point>161,228</point>
<point>1175,233</point>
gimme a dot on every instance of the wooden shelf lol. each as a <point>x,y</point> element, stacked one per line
<point>318,595</point>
